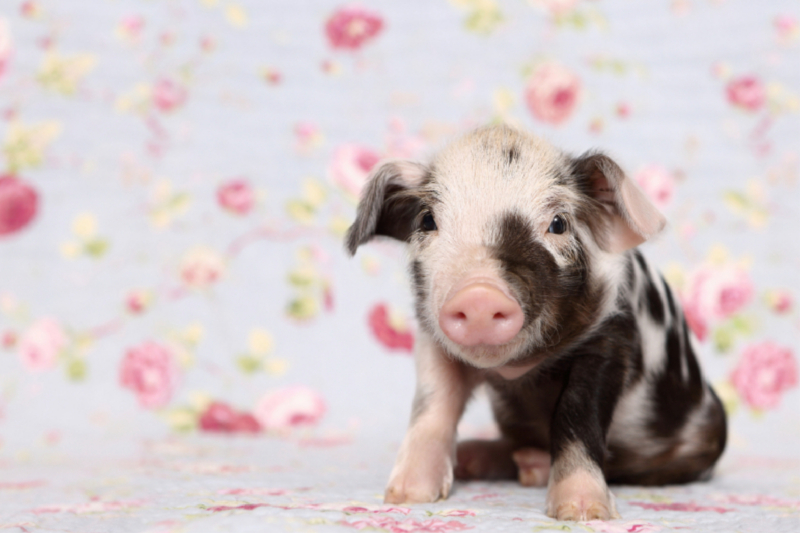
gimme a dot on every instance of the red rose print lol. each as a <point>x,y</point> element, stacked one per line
<point>18,205</point>
<point>387,333</point>
<point>221,417</point>
<point>352,27</point>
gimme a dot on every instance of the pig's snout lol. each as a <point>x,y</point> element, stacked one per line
<point>480,314</point>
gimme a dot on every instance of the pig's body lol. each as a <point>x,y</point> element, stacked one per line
<point>667,425</point>
<point>526,278</point>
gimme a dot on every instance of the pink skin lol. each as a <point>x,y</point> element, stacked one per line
<point>481,314</point>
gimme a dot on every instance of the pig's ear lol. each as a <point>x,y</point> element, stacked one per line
<point>632,217</point>
<point>388,205</point>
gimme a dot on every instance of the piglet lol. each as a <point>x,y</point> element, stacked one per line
<point>527,279</point>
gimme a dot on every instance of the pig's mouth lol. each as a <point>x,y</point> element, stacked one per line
<point>485,356</point>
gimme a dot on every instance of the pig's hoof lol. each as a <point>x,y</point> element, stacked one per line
<point>582,511</point>
<point>533,465</point>
<point>419,483</point>
<point>581,496</point>
<point>484,459</point>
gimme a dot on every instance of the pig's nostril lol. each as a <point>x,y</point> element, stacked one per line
<point>499,316</point>
<point>461,316</point>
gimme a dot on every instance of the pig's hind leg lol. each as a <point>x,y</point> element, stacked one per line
<point>485,459</point>
<point>498,459</point>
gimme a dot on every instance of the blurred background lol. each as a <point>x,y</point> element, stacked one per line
<point>177,177</point>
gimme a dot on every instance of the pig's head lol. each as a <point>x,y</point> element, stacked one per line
<point>515,246</point>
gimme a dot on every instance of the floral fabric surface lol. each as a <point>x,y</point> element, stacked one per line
<point>203,484</point>
<point>184,345</point>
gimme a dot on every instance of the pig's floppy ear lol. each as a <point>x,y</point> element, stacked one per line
<point>632,217</point>
<point>388,206</point>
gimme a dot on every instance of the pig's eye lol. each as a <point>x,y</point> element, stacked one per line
<point>428,224</point>
<point>557,226</point>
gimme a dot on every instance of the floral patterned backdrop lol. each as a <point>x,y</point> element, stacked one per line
<point>177,176</point>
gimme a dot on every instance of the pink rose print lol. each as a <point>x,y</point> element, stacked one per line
<point>552,93</point>
<point>236,196</point>
<point>556,7</point>
<point>94,506</point>
<point>201,267</point>
<point>387,523</point>
<point>220,417</point>
<point>151,372</point>
<point>351,166</point>
<point>787,27</point>
<point>689,507</point>
<point>271,75</point>
<point>400,143</point>
<point>623,110</point>
<point>713,294</point>
<point>30,9</point>
<point>764,372</point>
<point>138,301</point>
<point>290,407</point>
<point>696,322</point>
<point>758,499</point>
<point>5,46</point>
<point>598,526</point>
<point>41,343</point>
<point>387,334</point>
<point>746,92</point>
<point>8,340</point>
<point>18,205</point>
<point>168,95</point>
<point>131,27</point>
<point>780,301</point>
<point>307,137</point>
<point>352,27</point>
<point>658,183</point>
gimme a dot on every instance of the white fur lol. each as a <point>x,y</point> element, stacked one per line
<point>423,470</point>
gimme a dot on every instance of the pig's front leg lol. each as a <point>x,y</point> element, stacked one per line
<point>577,489</point>
<point>423,471</point>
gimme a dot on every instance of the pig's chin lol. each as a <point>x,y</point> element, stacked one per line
<point>487,356</point>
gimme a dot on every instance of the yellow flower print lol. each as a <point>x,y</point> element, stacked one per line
<point>167,204</point>
<point>24,145</point>
<point>304,210</point>
<point>260,345</point>
<point>63,73</point>
<point>752,203</point>
<point>276,367</point>
<point>483,16</point>
<point>236,15</point>
<point>339,225</point>
<point>136,100</point>
<point>84,228</point>
<point>260,342</point>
